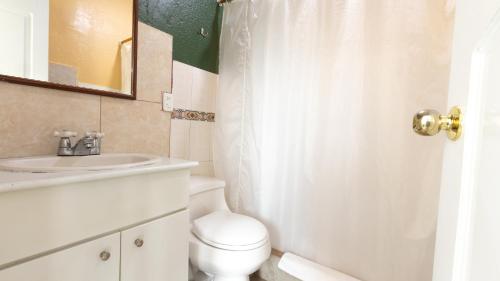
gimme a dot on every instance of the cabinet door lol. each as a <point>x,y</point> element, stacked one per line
<point>156,251</point>
<point>84,262</point>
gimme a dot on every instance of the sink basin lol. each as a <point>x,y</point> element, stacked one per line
<point>51,164</point>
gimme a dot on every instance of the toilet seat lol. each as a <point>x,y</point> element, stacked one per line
<point>229,231</point>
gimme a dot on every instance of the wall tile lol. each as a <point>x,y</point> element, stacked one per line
<point>154,63</point>
<point>182,85</point>
<point>134,126</point>
<point>30,115</point>
<point>204,90</point>
<point>200,140</point>
<point>212,141</point>
<point>179,138</point>
<point>194,89</point>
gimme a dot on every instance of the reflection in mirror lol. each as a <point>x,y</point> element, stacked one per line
<point>80,43</point>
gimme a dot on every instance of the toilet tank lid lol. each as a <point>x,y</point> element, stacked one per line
<point>199,184</point>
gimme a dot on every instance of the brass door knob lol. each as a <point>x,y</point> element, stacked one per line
<point>104,255</point>
<point>139,242</point>
<point>430,122</point>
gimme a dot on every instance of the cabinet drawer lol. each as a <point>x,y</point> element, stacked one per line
<point>80,263</point>
<point>156,251</point>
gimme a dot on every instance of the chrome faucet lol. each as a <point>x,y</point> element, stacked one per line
<point>90,144</point>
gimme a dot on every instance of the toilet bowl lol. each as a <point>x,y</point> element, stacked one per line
<point>222,244</point>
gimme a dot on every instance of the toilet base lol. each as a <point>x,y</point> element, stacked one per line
<point>202,276</point>
<point>199,275</point>
<point>231,278</point>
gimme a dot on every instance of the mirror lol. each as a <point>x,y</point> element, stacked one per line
<point>83,46</point>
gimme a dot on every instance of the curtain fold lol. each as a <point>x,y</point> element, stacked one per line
<point>313,127</point>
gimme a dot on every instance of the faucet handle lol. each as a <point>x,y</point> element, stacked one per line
<point>94,134</point>
<point>65,134</point>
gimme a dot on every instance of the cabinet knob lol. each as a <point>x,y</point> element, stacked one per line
<point>139,242</point>
<point>104,255</point>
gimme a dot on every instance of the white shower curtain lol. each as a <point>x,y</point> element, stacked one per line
<point>313,127</point>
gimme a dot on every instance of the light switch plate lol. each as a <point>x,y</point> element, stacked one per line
<point>168,101</point>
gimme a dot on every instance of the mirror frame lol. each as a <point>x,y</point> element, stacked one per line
<point>62,87</point>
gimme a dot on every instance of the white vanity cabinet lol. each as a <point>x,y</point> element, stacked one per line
<point>157,250</point>
<point>97,260</point>
<point>56,226</point>
<point>154,251</point>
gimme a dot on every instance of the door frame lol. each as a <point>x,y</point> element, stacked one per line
<point>475,22</point>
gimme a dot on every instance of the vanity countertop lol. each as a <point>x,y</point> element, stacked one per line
<point>14,181</point>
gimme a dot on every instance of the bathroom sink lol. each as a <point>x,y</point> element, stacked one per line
<point>50,164</point>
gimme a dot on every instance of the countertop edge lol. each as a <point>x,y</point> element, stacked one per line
<point>86,176</point>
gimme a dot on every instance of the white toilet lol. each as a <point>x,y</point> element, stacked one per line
<point>224,245</point>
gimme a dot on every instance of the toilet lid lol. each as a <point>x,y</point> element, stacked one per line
<point>230,231</point>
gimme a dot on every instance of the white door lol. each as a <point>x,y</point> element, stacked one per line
<point>24,28</point>
<point>156,251</point>
<point>97,260</point>
<point>468,231</point>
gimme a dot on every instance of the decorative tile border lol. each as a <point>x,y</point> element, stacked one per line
<point>193,115</point>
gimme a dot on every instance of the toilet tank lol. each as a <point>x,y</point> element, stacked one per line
<point>206,195</point>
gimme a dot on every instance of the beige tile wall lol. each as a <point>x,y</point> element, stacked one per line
<point>135,126</point>
<point>30,115</point>
<point>154,68</point>
<point>193,89</point>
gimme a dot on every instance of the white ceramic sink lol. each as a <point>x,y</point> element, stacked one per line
<point>50,164</point>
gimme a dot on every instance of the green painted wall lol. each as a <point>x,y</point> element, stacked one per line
<point>184,19</point>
